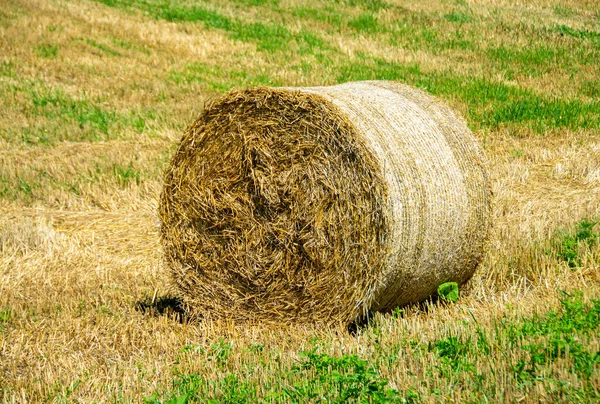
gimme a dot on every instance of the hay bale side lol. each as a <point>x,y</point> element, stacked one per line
<point>317,204</point>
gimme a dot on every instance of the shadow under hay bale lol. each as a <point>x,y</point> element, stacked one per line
<point>322,204</point>
<point>169,306</point>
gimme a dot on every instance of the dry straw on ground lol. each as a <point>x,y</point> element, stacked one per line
<point>318,204</point>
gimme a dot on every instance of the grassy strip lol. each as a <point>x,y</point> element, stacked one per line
<point>269,36</point>
<point>490,104</point>
<point>538,343</point>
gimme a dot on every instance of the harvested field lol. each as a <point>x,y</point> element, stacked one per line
<point>94,98</point>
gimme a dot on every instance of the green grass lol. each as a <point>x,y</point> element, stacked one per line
<point>54,116</point>
<point>316,377</point>
<point>582,34</point>
<point>256,3</point>
<point>17,188</point>
<point>458,16</point>
<point>365,23</point>
<point>569,243</point>
<point>94,120</point>
<point>328,15</point>
<point>219,79</point>
<point>270,37</point>
<point>32,184</point>
<point>47,50</point>
<point>7,69</point>
<point>5,315</point>
<point>564,11</point>
<point>490,103</point>
<point>126,175</point>
<point>371,5</point>
<point>540,341</point>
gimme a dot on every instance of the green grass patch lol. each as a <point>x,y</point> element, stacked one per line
<point>126,175</point>
<point>16,189</point>
<point>7,69</point>
<point>590,89</point>
<point>54,116</point>
<point>582,34</point>
<point>31,184</point>
<point>563,11</point>
<point>419,31</point>
<point>127,45</point>
<point>94,121</point>
<point>46,50</point>
<point>568,244</point>
<point>365,23</point>
<point>540,342</point>
<point>538,60</point>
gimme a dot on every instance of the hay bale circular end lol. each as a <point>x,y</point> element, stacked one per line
<point>318,204</point>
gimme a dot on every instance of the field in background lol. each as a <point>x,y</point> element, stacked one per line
<point>94,96</point>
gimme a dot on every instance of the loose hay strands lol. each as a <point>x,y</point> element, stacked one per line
<point>318,204</point>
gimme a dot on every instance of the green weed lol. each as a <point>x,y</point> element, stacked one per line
<point>220,351</point>
<point>5,315</point>
<point>454,353</point>
<point>126,175</point>
<point>448,291</point>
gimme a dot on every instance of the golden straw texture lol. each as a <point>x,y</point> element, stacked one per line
<point>319,204</point>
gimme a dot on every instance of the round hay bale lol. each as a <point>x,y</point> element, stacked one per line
<point>320,204</point>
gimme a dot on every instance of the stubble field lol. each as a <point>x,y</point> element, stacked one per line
<point>94,96</point>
